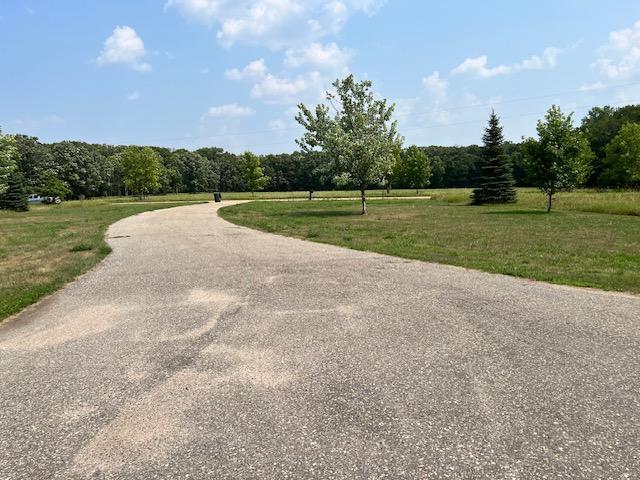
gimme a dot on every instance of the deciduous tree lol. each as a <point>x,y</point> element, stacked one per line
<point>8,156</point>
<point>52,186</point>
<point>141,170</point>
<point>254,177</point>
<point>561,158</point>
<point>360,138</point>
<point>622,164</point>
<point>413,169</point>
<point>601,125</point>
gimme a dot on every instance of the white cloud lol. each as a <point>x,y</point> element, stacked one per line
<point>203,11</point>
<point>479,66</point>
<point>435,85</point>
<point>275,23</point>
<point>325,57</point>
<point>620,58</point>
<point>276,89</point>
<point>256,69</point>
<point>326,62</point>
<point>133,96</point>
<point>232,110</point>
<point>124,47</point>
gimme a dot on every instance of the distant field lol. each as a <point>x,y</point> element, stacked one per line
<point>617,202</point>
<point>274,195</point>
<point>45,248</point>
<point>575,245</point>
<point>625,202</point>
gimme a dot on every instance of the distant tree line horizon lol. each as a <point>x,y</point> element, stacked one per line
<point>75,169</point>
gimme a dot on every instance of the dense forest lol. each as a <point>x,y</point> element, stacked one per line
<point>76,169</point>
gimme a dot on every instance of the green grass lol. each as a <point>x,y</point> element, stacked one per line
<point>180,197</point>
<point>619,202</point>
<point>623,202</point>
<point>50,245</point>
<point>591,239</point>
<point>572,245</point>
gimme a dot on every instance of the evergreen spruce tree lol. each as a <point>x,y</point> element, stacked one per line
<point>15,198</point>
<point>495,182</point>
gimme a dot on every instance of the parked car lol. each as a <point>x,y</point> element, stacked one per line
<point>35,198</point>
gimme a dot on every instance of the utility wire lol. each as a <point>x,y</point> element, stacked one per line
<point>406,115</point>
<point>444,125</point>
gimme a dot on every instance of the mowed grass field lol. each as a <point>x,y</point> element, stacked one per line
<point>591,239</point>
<point>189,197</point>
<point>50,245</point>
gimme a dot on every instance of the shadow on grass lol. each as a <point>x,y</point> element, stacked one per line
<point>517,212</point>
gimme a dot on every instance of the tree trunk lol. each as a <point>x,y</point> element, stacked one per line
<point>310,194</point>
<point>549,200</point>
<point>364,201</point>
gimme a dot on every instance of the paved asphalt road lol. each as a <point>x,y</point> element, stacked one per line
<point>199,349</point>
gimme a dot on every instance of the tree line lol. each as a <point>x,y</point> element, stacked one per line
<point>334,152</point>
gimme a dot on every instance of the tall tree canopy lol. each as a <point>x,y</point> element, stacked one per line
<point>495,182</point>
<point>360,138</point>
<point>561,158</point>
<point>81,167</point>
<point>253,173</point>
<point>412,169</point>
<point>622,163</point>
<point>141,169</point>
<point>8,157</point>
<point>601,125</point>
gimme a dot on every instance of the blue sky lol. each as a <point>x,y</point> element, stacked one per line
<point>228,73</point>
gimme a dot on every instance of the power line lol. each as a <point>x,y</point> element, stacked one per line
<point>451,109</point>
<point>444,125</point>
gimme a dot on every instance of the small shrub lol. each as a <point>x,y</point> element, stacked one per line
<point>105,250</point>
<point>81,247</point>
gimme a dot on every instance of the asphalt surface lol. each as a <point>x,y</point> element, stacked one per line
<point>200,349</point>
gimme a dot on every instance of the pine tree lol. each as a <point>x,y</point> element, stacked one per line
<point>15,198</point>
<point>495,182</point>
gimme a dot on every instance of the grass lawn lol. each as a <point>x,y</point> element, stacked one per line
<point>48,246</point>
<point>179,197</point>
<point>622,202</point>
<point>573,245</point>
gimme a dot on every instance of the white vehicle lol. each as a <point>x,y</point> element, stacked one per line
<point>35,198</point>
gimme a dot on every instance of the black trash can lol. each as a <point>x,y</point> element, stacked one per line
<point>217,197</point>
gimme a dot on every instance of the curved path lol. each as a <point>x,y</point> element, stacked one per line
<point>200,349</point>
